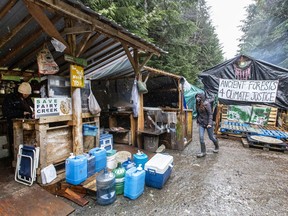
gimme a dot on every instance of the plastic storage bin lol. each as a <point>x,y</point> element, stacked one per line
<point>100,158</point>
<point>106,141</point>
<point>76,169</point>
<point>90,130</point>
<point>158,170</point>
<point>134,182</point>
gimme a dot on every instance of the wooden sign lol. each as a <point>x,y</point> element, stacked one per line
<point>78,61</point>
<point>77,76</point>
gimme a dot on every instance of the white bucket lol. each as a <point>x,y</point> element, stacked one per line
<point>111,162</point>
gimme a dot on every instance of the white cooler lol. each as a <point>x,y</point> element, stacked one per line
<point>158,170</point>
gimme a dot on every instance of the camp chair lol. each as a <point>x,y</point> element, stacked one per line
<point>27,163</point>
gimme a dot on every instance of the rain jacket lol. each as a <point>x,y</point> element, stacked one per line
<point>204,117</point>
<point>14,107</point>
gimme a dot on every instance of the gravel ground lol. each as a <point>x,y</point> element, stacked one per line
<point>236,181</point>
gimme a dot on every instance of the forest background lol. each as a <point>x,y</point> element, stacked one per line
<point>183,28</point>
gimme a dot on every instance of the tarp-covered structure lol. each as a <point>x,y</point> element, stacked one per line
<point>189,94</point>
<point>243,67</point>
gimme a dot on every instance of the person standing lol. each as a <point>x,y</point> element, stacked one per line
<point>204,121</point>
<point>17,105</point>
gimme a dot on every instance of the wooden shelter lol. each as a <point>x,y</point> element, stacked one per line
<point>27,26</point>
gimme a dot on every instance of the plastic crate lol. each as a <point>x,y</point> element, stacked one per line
<point>90,130</point>
<point>106,141</point>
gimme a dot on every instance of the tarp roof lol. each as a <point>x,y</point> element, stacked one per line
<point>26,25</point>
<point>258,70</point>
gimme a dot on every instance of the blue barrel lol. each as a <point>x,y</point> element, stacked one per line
<point>76,169</point>
<point>100,158</point>
<point>134,182</point>
<point>140,158</point>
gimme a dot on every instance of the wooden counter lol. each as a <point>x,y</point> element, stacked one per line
<point>54,137</point>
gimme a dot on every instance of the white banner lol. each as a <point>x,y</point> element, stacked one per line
<point>52,107</point>
<point>248,90</point>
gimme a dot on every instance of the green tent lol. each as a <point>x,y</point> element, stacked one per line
<point>189,94</point>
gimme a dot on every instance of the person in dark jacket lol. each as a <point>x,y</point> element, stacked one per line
<point>17,105</point>
<point>204,120</point>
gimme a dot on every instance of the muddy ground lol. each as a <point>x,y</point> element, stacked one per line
<point>236,181</point>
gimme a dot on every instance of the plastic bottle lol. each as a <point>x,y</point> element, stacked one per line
<point>119,173</point>
<point>105,183</point>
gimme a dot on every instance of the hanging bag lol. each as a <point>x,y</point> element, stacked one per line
<point>142,88</point>
<point>46,63</point>
<point>93,105</point>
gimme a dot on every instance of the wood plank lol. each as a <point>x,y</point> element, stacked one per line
<point>7,8</point>
<point>33,201</point>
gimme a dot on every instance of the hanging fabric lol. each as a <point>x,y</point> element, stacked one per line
<point>135,99</point>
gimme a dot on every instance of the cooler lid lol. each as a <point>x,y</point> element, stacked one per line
<point>159,163</point>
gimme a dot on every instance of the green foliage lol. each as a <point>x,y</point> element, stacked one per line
<point>181,27</point>
<point>265,31</point>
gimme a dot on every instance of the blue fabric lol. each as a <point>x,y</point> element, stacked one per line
<point>25,164</point>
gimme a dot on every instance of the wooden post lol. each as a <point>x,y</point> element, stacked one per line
<point>76,102</point>
<point>77,120</point>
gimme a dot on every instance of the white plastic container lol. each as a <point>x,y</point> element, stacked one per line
<point>48,174</point>
<point>111,162</point>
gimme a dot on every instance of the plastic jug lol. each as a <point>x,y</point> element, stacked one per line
<point>140,158</point>
<point>100,158</point>
<point>134,182</point>
<point>128,164</point>
<point>105,183</point>
<point>76,169</point>
<point>119,173</point>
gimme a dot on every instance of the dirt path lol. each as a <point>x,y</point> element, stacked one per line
<point>236,181</point>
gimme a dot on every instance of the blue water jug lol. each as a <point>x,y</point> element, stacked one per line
<point>128,164</point>
<point>106,192</point>
<point>76,169</point>
<point>91,161</point>
<point>140,158</point>
<point>134,182</point>
<point>100,158</point>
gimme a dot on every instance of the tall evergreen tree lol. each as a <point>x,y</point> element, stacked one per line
<point>181,27</point>
<point>265,31</point>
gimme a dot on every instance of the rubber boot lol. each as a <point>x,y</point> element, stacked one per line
<point>203,151</point>
<point>216,149</point>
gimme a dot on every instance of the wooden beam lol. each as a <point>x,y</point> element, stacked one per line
<point>45,23</point>
<point>91,41</point>
<point>130,57</point>
<point>81,46</point>
<point>78,30</point>
<point>14,31</point>
<point>98,25</point>
<point>17,73</point>
<point>146,60</point>
<point>7,8</point>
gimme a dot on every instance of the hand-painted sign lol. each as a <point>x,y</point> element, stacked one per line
<point>52,107</point>
<point>248,90</point>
